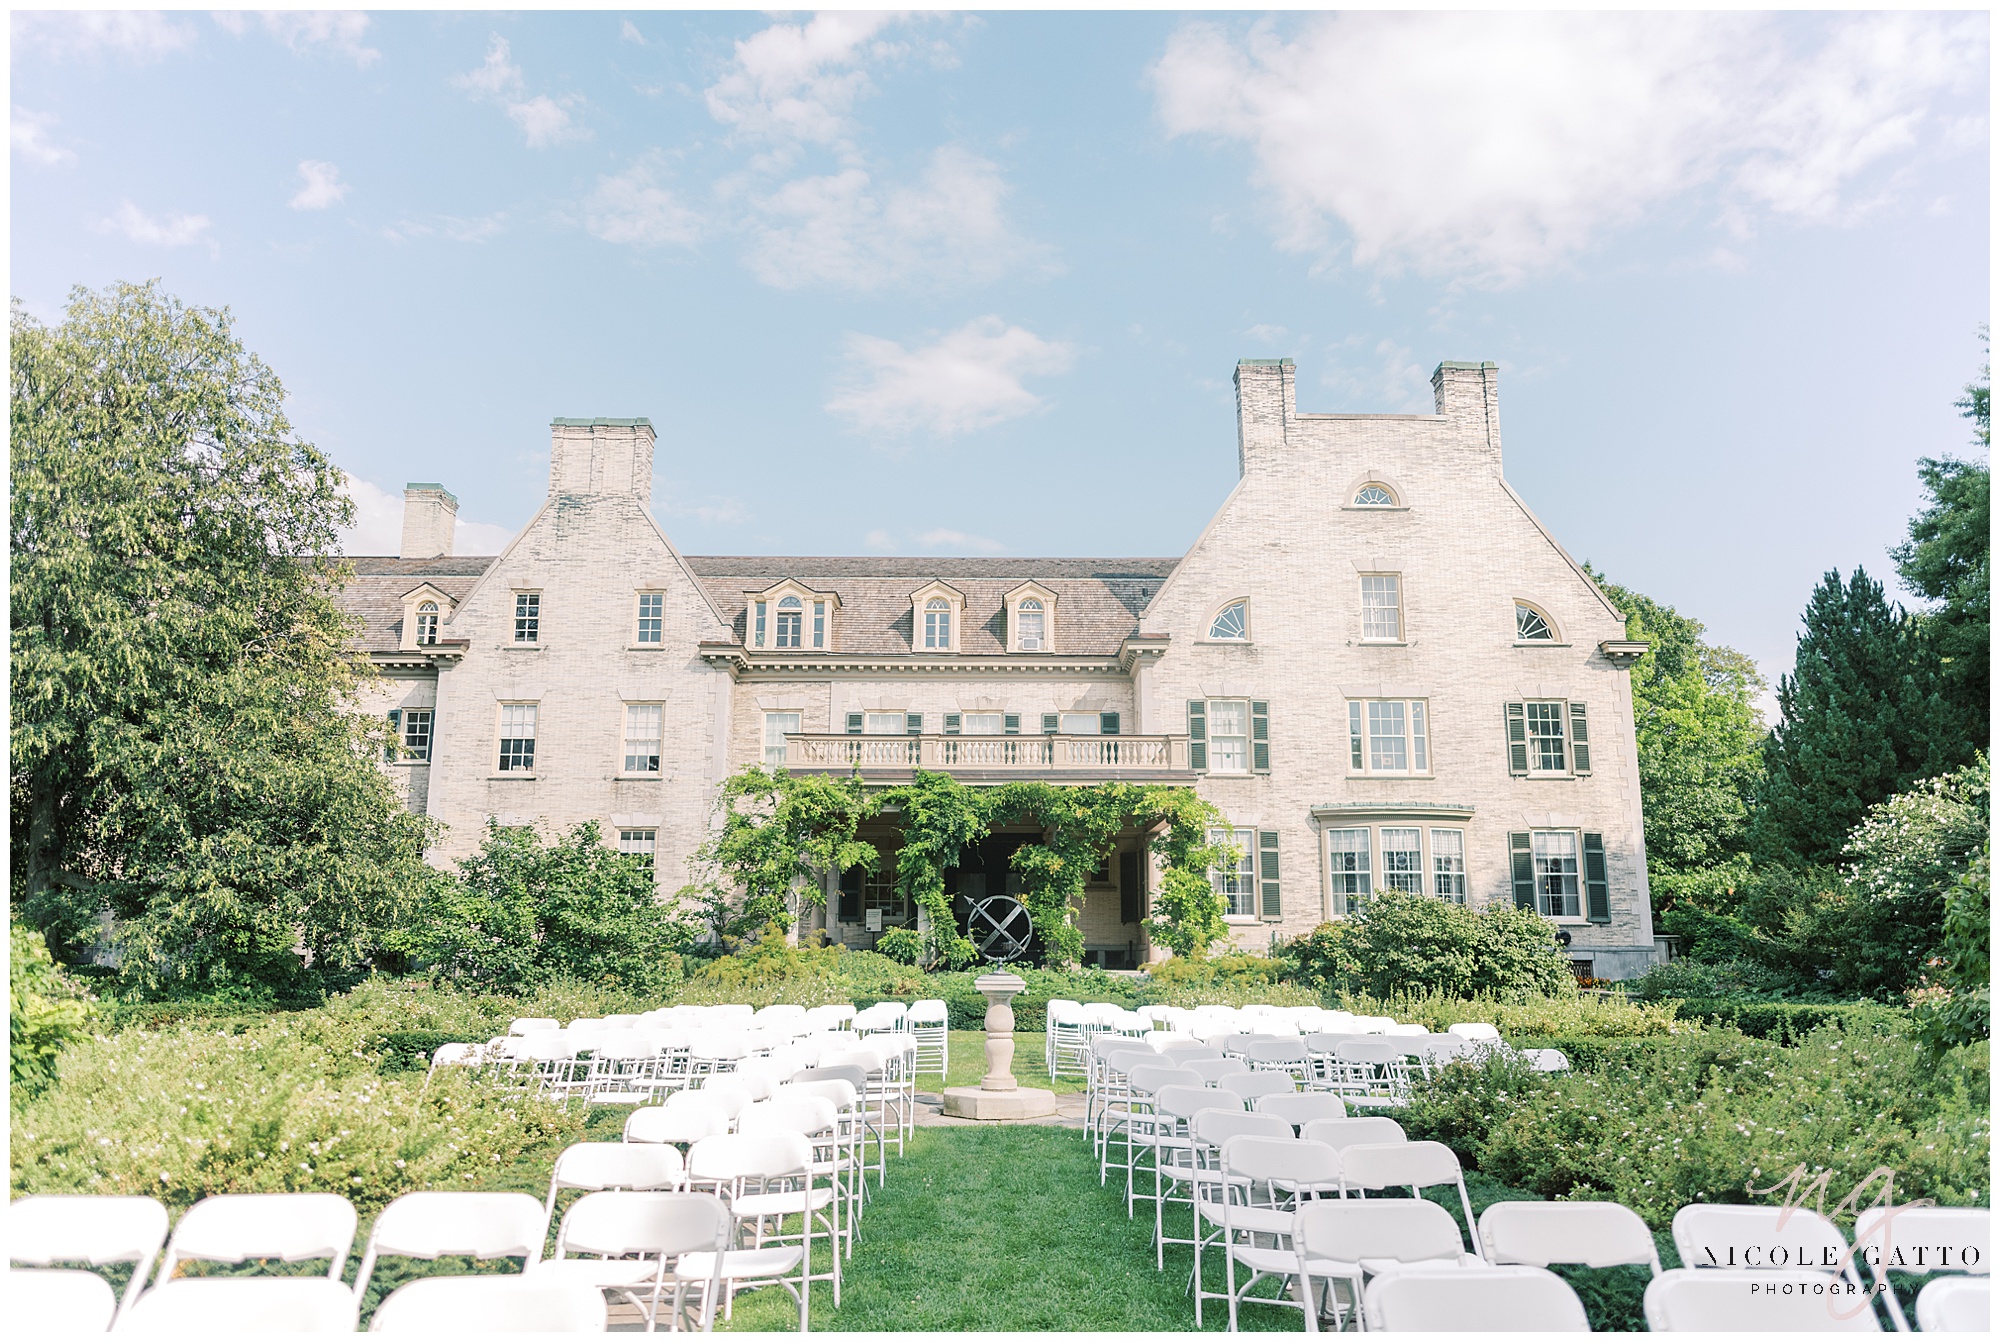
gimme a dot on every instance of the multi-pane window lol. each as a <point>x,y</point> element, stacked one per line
<point>937,624</point>
<point>1236,881</point>
<point>1228,736</point>
<point>819,624</point>
<point>887,724</point>
<point>758,612</point>
<point>639,843</point>
<point>527,617</point>
<point>1347,859</point>
<point>1402,860</point>
<point>417,733</point>
<point>776,727</point>
<point>427,623</point>
<point>1374,496</point>
<point>652,607</point>
<point>791,622</point>
<point>1080,724</point>
<point>1388,736</point>
<point>517,738</point>
<point>983,724</point>
<point>1529,624</point>
<point>878,891</point>
<point>1381,607</point>
<point>1546,753</point>
<point>642,737</point>
<point>1556,886</point>
<point>1232,622</point>
<point>1034,625</point>
<point>1448,864</point>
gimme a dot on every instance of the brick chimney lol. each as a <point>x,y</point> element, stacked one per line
<point>1468,396</point>
<point>601,456</point>
<point>430,515</point>
<point>1264,408</point>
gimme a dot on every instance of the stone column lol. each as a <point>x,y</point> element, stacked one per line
<point>999,990</point>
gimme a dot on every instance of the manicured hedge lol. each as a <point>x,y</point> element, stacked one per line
<point>1787,1022</point>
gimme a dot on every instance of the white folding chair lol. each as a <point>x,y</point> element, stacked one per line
<point>930,1024</point>
<point>1412,1165</point>
<point>637,1243</point>
<point>293,1227</point>
<point>475,1225</point>
<point>1211,1130</point>
<point>1546,1059</point>
<point>822,1018</point>
<point>534,1025</point>
<point>1344,1241</point>
<point>1711,1236</point>
<point>447,1306</point>
<point>218,1306</point>
<point>1265,1180</point>
<point>1372,1071</point>
<point>44,1302</point>
<point>1585,1234</point>
<point>1920,1240</point>
<point>1474,1300</point>
<point>1301,1109</point>
<point>816,1119</point>
<point>740,1168</point>
<point>599,1167</point>
<point>69,1228</point>
<point>1170,1135</point>
<point>1341,1133</point>
<point>677,1123</point>
<point>1253,1086</point>
<point>850,1133</point>
<point>1956,1305</point>
<point>1726,1300</point>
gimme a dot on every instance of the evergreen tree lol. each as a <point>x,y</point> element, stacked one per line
<point>1864,717</point>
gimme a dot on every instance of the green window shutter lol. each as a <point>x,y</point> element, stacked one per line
<point>854,724</point>
<point>1128,888</point>
<point>951,723</point>
<point>1051,723</point>
<point>1596,880</point>
<point>1260,737</point>
<point>914,723</point>
<point>1198,734</point>
<point>395,734</point>
<point>1012,722</point>
<point>1517,738</point>
<point>1524,870</point>
<point>1270,907</point>
<point>850,894</point>
<point>1579,740</point>
<point>1107,724</point>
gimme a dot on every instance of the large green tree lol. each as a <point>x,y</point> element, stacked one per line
<point>184,754</point>
<point>1948,561</point>
<point>1865,716</point>
<point>1699,740</point>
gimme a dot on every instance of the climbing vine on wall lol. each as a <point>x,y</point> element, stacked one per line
<point>780,834</point>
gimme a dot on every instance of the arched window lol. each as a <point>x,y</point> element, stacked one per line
<point>1374,496</point>
<point>1034,625</point>
<point>427,624</point>
<point>937,624</point>
<point>1530,624</point>
<point>791,621</point>
<point>1232,622</point>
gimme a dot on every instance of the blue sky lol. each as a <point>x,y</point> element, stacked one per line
<point>976,284</point>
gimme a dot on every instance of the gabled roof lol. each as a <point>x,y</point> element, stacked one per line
<point>382,581</point>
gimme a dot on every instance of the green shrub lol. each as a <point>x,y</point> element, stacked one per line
<point>1731,978</point>
<point>1957,1007</point>
<point>1400,942</point>
<point>904,945</point>
<point>1573,1015</point>
<point>1784,1022</point>
<point>1462,1101</point>
<point>45,1009</point>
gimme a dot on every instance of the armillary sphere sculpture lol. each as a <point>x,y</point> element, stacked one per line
<point>1001,928</point>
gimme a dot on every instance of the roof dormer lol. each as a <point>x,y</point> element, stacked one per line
<point>937,618</point>
<point>790,617</point>
<point>1031,619</point>
<point>425,610</point>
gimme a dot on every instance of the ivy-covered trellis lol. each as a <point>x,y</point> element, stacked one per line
<point>779,837</point>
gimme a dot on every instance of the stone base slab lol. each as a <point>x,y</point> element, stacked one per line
<point>972,1102</point>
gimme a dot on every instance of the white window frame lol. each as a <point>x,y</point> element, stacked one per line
<point>511,709</point>
<point>1214,737</point>
<point>635,716</point>
<point>658,619</point>
<point>1554,636</point>
<point>1352,882</point>
<point>777,726</point>
<point>1447,864</point>
<point>1076,723</point>
<point>878,891</point>
<point>1238,884</point>
<point>429,617</point>
<point>528,617</point>
<point>642,842</point>
<point>1405,873</point>
<point>1363,719</point>
<point>901,717</point>
<point>1375,584</point>
<point>1560,736</point>
<point>997,727</point>
<point>1032,608</point>
<point>821,623</point>
<point>1389,497</point>
<point>937,613</point>
<point>1215,617</point>
<point>795,615</point>
<point>1552,901</point>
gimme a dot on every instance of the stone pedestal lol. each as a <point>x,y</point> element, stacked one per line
<point>998,1095</point>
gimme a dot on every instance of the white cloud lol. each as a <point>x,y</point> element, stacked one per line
<point>843,231</point>
<point>969,380</point>
<point>629,32</point>
<point>321,187</point>
<point>1494,145</point>
<point>633,208</point>
<point>447,226</point>
<point>304,30</point>
<point>799,81</point>
<point>138,35</point>
<point>1386,377</point>
<point>136,224</point>
<point>542,119</point>
<point>941,540</point>
<point>378,526</point>
<point>28,132</point>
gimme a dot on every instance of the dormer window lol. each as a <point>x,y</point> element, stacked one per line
<point>792,618</point>
<point>937,625</point>
<point>1531,626</point>
<point>427,624</point>
<point>1373,495</point>
<point>1232,623</point>
<point>1034,624</point>
<point>791,622</point>
<point>1031,618</point>
<point>425,609</point>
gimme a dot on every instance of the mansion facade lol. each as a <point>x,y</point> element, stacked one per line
<point>1375,661</point>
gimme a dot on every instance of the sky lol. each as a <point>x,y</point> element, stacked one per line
<point>976,283</point>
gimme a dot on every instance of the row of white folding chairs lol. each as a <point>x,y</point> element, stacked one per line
<point>632,1066</point>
